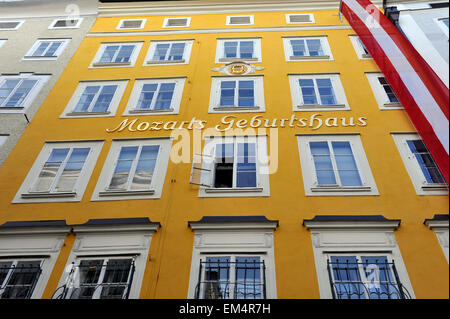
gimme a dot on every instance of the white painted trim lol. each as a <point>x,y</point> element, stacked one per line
<point>412,166</point>
<point>29,57</point>
<point>166,22</point>
<point>20,22</point>
<point>83,179</point>
<point>379,92</point>
<point>311,18</point>
<point>351,225</point>
<point>120,25</point>
<point>358,48</point>
<point>159,172</point>
<point>96,64</point>
<point>220,50</point>
<point>75,26</point>
<point>151,51</point>
<point>2,42</point>
<point>289,56</point>
<point>69,110</point>
<point>441,228</point>
<point>368,188</point>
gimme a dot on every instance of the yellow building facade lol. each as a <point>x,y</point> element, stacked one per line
<point>101,188</point>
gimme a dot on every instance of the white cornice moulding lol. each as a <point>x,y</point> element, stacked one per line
<point>234,226</point>
<point>437,224</point>
<point>62,230</point>
<point>153,227</point>
<point>349,225</point>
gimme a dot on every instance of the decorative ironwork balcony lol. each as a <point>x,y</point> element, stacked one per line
<point>221,278</point>
<point>18,278</point>
<point>98,279</point>
<point>368,278</point>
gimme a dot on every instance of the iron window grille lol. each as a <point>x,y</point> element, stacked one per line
<point>370,277</point>
<point>18,278</point>
<point>231,278</point>
<point>98,279</point>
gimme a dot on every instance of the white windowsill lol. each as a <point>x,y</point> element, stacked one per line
<point>341,189</point>
<point>320,106</point>
<point>11,107</point>
<point>138,111</point>
<point>48,195</point>
<point>300,58</point>
<point>97,64</point>
<point>392,104</point>
<point>234,190</point>
<point>233,108</point>
<point>238,59</point>
<point>166,62</point>
<point>127,193</point>
<point>87,113</point>
<point>435,187</point>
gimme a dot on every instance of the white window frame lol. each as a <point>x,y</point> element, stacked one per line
<point>74,26</point>
<point>252,20</point>
<point>34,243</point>
<point>96,61</point>
<point>120,241</point>
<point>3,139</point>
<point>24,195</point>
<point>380,94</point>
<point>338,88</point>
<point>220,51</point>
<point>69,110</point>
<point>413,168</point>
<point>441,229</point>
<point>120,25</point>
<point>136,92</point>
<point>288,52</point>
<point>101,192</point>
<point>151,50</point>
<point>311,186</point>
<point>41,80</point>
<point>58,52</point>
<point>19,24</point>
<point>354,238</point>
<point>166,22</point>
<point>359,50</point>
<point>214,104</point>
<point>442,25</point>
<point>2,42</point>
<point>255,239</point>
<point>262,188</point>
<point>311,18</point>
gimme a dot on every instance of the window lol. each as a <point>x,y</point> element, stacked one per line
<point>385,96</point>
<point>18,91</point>
<point>229,50</point>
<point>299,18</point>
<point>237,94</point>
<point>164,52</point>
<point>335,165</point>
<point>156,96</point>
<point>10,25</point>
<point>176,22</point>
<point>95,99</point>
<point>361,51</point>
<point>240,20</point>
<point>101,278</point>
<point>317,92</point>
<point>66,23</point>
<point>60,173</point>
<point>232,166</point>
<point>364,265</point>
<point>18,278</point>
<point>131,24</point>
<point>439,224</point>
<point>422,169</point>
<point>443,24</point>
<point>134,169</point>
<point>117,54</point>
<point>109,262</point>
<point>307,48</point>
<point>46,49</point>
<point>234,259</point>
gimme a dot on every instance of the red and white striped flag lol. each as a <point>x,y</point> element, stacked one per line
<point>421,92</point>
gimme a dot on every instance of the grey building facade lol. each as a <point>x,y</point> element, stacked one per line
<point>37,40</point>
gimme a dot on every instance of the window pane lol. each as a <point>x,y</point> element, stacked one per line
<point>109,53</point>
<point>89,271</point>
<point>52,49</point>
<point>161,51</point>
<point>176,51</point>
<point>248,278</point>
<point>124,54</point>
<point>104,99</point>
<point>230,49</point>
<point>308,92</point>
<point>6,89</point>
<point>116,279</point>
<point>246,49</point>
<point>298,47</point>
<point>145,168</point>
<point>146,97</point>
<point>322,163</point>
<point>246,165</point>
<point>22,281</point>
<point>346,164</point>
<point>347,280</point>
<point>165,95</point>
<point>246,93</point>
<point>86,98</point>
<point>427,164</point>
<point>119,180</point>
<point>380,280</point>
<point>41,49</point>
<point>72,170</point>
<point>326,92</point>
<point>216,283</point>
<point>387,88</point>
<point>314,47</point>
<point>50,169</point>
<point>227,93</point>
<point>16,99</point>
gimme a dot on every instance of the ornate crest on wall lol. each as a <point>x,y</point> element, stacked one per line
<point>237,68</point>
